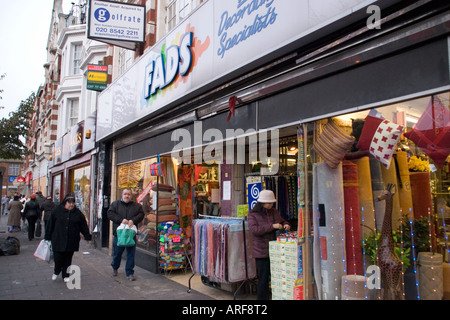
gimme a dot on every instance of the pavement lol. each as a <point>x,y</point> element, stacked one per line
<point>25,277</point>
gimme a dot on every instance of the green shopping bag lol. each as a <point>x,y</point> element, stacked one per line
<point>126,235</point>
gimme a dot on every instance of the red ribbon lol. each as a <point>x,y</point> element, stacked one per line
<point>232,104</point>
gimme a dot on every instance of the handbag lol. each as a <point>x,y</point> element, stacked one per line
<point>38,231</point>
<point>157,169</point>
<point>43,251</point>
<point>126,235</point>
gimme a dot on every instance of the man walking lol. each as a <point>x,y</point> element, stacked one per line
<point>128,212</point>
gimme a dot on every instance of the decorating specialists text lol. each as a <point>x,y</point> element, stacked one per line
<point>245,9</point>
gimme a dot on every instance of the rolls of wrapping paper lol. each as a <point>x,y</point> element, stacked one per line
<point>390,176</point>
<point>404,187</point>
<point>354,287</point>
<point>377,189</point>
<point>430,276</point>
<point>365,193</point>
<point>446,282</point>
<point>352,220</point>
<point>328,223</point>
<point>421,193</point>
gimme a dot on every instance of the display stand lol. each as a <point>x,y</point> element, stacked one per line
<point>245,253</point>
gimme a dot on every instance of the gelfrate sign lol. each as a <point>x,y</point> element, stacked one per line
<point>116,23</point>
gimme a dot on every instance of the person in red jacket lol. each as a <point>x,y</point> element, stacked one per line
<point>263,221</point>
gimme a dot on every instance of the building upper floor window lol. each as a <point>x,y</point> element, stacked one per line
<point>13,169</point>
<point>73,107</point>
<point>125,59</point>
<point>76,61</point>
<point>177,10</point>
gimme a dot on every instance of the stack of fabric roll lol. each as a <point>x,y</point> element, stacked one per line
<point>163,203</point>
<point>171,247</point>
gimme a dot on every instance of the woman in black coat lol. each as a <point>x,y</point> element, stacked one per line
<point>64,227</point>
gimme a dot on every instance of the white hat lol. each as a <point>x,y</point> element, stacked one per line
<point>266,196</point>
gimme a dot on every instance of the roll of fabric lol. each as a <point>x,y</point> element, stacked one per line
<point>430,276</point>
<point>329,234</point>
<point>365,193</point>
<point>377,189</point>
<point>404,187</point>
<point>353,287</point>
<point>390,176</point>
<point>446,282</point>
<point>352,219</point>
<point>421,193</point>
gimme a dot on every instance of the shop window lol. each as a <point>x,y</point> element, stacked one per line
<point>405,155</point>
<point>56,188</point>
<point>156,194</point>
<point>80,186</point>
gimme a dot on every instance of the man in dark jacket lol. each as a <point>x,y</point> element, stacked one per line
<point>128,212</point>
<point>64,227</point>
<point>32,212</point>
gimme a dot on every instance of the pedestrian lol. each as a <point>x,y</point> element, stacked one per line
<point>5,201</point>
<point>263,221</point>
<point>40,198</point>
<point>128,212</point>
<point>15,208</point>
<point>47,207</point>
<point>32,212</point>
<point>63,230</point>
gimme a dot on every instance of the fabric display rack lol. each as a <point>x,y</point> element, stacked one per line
<point>161,230</point>
<point>285,189</point>
<point>222,250</point>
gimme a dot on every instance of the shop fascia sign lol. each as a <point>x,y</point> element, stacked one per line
<point>116,23</point>
<point>162,71</point>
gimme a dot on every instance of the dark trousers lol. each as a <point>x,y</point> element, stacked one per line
<point>263,270</point>
<point>63,260</point>
<point>31,226</point>
<point>117,257</point>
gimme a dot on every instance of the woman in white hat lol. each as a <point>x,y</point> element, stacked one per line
<point>263,221</point>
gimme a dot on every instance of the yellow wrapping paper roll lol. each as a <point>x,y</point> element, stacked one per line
<point>404,192</point>
<point>390,176</point>
<point>446,274</point>
<point>365,196</point>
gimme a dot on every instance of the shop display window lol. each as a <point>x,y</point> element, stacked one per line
<point>400,153</point>
<point>156,194</point>
<point>80,186</point>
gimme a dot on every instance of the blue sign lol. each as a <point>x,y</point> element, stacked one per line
<point>253,190</point>
<point>11,179</point>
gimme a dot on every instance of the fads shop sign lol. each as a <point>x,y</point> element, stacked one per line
<point>116,23</point>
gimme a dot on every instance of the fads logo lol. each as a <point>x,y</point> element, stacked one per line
<point>102,15</point>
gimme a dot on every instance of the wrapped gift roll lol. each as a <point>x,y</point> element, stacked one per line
<point>404,183</point>
<point>421,193</point>
<point>446,274</point>
<point>377,190</point>
<point>329,234</point>
<point>352,219</point>
<point>365,195</point>
<point>390,176</point>
<point>353,287</point>
<point>430,276</point>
